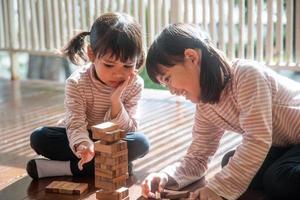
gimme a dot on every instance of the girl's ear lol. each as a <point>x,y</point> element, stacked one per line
<point>193,54</point>
<point>91,54</point>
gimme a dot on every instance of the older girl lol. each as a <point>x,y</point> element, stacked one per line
<point>241,96</point>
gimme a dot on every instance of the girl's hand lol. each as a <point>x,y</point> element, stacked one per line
<point>85,152</point>
<point>117,93</point>
<point>152,183</point>
<point>115,97</point>
<point>204,194</point>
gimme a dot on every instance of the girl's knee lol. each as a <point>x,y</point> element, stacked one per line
<point>36,138</point>
<point>142,143</point>
<point>276,186</point>
<point>139,144</point>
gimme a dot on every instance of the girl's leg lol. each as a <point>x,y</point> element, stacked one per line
<point>282,179</point>
<point>274,154</point>
<point>257,182</point>
<point>138,145</point>
<point>52,143</point>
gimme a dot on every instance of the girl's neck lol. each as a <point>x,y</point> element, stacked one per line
<point>96,76</point>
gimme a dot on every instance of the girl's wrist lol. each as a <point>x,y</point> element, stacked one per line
<point>116,102</point>
<point>115,108</point>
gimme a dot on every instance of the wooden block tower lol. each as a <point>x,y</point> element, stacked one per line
<point>111,162</point>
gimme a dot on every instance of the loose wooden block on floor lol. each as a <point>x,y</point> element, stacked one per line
<point>171,194</point>
<point>66,187</point>
<point>119,194</point>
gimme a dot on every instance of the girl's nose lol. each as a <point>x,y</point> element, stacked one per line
<point>172,90</point>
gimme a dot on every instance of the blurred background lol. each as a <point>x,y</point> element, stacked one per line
<point>33,31</point>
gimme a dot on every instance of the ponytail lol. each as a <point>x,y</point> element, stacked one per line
<point>75,49</point>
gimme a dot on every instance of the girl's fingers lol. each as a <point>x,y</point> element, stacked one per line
<point>80,164</point>
<point>145,189</point>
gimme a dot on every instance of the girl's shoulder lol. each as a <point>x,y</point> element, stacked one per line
<point>243,68</point>
<point>135,88</point>
<point>139,81</point>
<point>80,74</point>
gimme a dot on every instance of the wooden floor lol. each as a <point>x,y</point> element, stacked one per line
<point>24,106</point>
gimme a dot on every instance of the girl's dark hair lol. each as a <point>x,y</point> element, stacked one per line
<point>115,33</point>
<point>168,49</point>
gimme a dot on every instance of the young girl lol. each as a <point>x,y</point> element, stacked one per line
<point>107,90</point>
<point>242,96</point>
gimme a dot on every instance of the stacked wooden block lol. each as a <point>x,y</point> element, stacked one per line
<point>111,162</point>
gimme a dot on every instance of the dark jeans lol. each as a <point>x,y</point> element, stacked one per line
<point>279,175</point>
<point>52,143</point>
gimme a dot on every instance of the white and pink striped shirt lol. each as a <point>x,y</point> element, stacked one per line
<point>258,103</point>
<point>87,103</point>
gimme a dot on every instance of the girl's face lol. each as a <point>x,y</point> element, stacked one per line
<point>183,79</point>
<point>112,71</point>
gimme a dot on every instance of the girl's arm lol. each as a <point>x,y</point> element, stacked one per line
<point>76,123</point>
<point>127,108</point>
<point>192,167</point>
<point>254,97</point>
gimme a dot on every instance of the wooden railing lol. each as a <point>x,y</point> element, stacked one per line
<point>265,30</point>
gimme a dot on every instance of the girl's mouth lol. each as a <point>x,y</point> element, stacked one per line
<point>115,83</point>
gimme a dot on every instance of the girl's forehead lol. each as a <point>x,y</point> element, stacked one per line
<point>109,57</point>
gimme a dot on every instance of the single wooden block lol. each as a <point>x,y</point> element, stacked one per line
<point>111,167</point>
<point>112,173</point>
<point>103,127</point>
<point>122,192</point>
<point>108,185</point>
<point>114,155</point>
<point>110,149</point>
<point>109,136</point>
<point>119,194</point>
<point>66,187</point>
<point>172,194</point>
<point>110,160</point>
<point>112,180</point>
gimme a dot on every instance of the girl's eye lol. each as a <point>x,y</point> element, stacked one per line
<point>108,65</point>
<point>128,66</point>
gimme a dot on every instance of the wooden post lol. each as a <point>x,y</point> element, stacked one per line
<point>241,28</point>
<point>13,40</point>
<point>259,26</point>
<point>269,42</point>
<point>230,50</point>
<point>289,32</point>
<point>250,46</point>
<point>14,66</point>
<point>297,32</point>
<point>221,27</point>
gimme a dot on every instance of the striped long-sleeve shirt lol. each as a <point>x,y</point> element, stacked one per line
<point>87,103</point>
<point>258,103</point>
